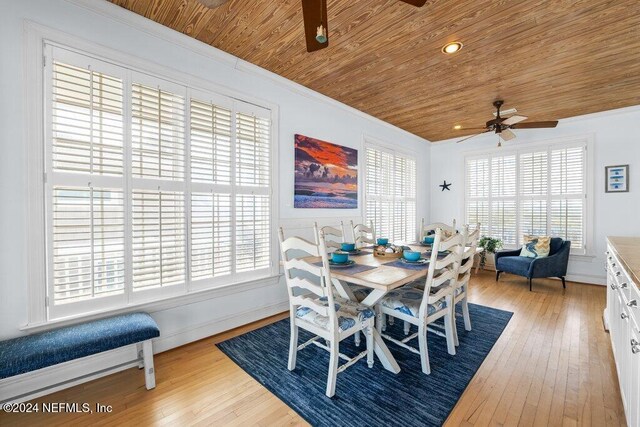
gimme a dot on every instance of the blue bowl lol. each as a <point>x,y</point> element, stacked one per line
<point>383,241</point>
<point>348,246</point>
<point>339,257</point>
<point>429,240</point>
<point>411,255</point>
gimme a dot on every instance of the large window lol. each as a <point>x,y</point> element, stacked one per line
<point>390,184</point>
<point>541,190</point>
<point>153,189</point>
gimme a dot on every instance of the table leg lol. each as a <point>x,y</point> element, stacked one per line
<point>380,347</point>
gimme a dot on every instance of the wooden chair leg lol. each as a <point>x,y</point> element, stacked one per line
<point>448,329</point>
<point>293,346</point>
<point>424,351</point>
<point>465,314</point>
<point>369,339</point>
<point>530,284</point>
<point>381,324</point>
<point>333,367</point>
<point>455,326</point>
<point>407,327</point>
<point>564,284</point>
<point>356,338</point>
<point>149,371</point>
<point>498,274</point>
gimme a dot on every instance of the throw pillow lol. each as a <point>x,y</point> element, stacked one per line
<point>536,246</point>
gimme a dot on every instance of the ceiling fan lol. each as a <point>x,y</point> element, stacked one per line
<point>502,125</point>
<point>314,13</point>
<point>316,28</point>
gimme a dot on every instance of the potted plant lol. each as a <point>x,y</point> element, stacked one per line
<point>491,245</point>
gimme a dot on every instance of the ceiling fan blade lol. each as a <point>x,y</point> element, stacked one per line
<point>534,125</point>
<point>417,3</point>
<point>314,13</point>
<point>469,137</point>
<point>513,120</point>
<point>507,135</point>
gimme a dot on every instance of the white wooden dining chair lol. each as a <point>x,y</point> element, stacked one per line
<point>363,234</point>
<point>313,307</point>
<point>448,230</point>
<point>333,239</point>
<point>423,307</point>
<point>461,289</point>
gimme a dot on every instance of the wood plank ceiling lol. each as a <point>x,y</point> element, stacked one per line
<point>549,59</point>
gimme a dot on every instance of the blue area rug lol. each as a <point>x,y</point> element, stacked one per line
<point>369,397</point>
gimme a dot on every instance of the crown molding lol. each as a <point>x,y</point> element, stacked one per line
<point>168,35</point>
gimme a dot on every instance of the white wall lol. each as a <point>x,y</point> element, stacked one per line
<point>615,135</point>
<point>301,111</point>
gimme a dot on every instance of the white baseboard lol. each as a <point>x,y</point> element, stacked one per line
<point>44,381</point>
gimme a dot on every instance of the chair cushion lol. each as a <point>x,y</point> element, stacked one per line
<point>536,246</point>
<point>360,292</point>
<point>31,352</point>
<point>407,300</point>
<point>349,313</point>
<point>515,264</point>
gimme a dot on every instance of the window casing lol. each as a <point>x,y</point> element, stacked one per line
<point>390,193</point>
<point>153,189</point>
<point>541,190</point>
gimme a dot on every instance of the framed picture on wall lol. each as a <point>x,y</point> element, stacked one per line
<point>616,179</point>
<point>326,175</point>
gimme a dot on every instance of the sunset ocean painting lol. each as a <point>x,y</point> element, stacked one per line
<point>326,175</point>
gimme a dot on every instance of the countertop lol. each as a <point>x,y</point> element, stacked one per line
<point>627,250</point>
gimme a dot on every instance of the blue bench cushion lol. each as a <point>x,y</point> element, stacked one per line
<point>31,352</point>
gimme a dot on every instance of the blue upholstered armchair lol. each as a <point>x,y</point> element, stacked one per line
<point>554,265</point>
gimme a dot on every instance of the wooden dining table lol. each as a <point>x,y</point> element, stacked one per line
<point>381,280</point>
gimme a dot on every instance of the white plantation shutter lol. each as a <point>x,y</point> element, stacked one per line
<point>87,121</point>
<point>85,184</point>
<point>252,232</point>
<point>390,182</point>
<point>503,214</point>
<point>88,243</point>
<point>540,192</point>
<point>568,195</point>
<point>211,238</point>
<point>158,239</point>
<point>152,189</point>
<point>157,133</point>
<point>477,196</point>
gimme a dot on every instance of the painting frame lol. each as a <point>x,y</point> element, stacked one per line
<point>325,174</point>
<point>616,179</point>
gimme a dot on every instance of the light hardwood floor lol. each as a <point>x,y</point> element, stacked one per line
<point>552,366</point>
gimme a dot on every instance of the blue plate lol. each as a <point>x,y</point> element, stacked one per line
<point>342,264</point>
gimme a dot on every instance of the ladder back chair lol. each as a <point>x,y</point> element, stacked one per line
<point>447,230</point>
<point>460,293</point>
<point>313,307</point>
<point>423,307</point>
<point>363,234</point>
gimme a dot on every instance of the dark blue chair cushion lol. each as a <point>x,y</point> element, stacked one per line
<point>515,264</point>
<point>31,352</point>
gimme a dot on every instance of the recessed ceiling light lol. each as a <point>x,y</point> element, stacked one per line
<point>451,48</point>
<point>457,127</point>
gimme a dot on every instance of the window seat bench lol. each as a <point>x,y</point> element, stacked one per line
<point>32,352</point>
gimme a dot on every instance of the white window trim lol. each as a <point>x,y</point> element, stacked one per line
<point>370,141</point>
<point>585,139</point>
<point>35,36</point>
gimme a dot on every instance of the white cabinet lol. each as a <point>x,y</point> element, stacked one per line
<point>622,317</point>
